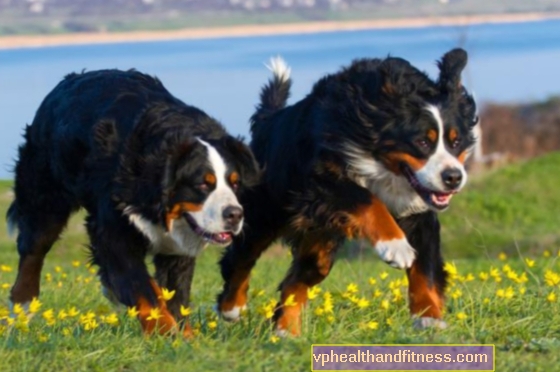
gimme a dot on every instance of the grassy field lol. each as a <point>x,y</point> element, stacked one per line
<point>500,240</point>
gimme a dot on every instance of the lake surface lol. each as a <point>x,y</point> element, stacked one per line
<point>508,62</point>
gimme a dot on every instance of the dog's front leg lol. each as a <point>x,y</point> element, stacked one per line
<point>375,223</point>
<point>175,273</point>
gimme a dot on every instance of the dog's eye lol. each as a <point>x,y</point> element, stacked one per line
<point>203,187</point>
<point>423,143</point>
<point>455,143</point>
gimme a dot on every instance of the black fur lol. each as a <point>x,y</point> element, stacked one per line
<point>113,142</point>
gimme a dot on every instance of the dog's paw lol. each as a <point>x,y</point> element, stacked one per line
<point>396,252</point>
<point>232,315</point>
<point>428,322</point>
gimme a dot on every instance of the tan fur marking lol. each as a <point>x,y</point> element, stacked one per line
<point>210,178</point>
<point>374,222</point>
<point>432,135</point>
<point>394,159</point>
<point>424,298</point>
<point>177,210</point>
<point>234,178</point>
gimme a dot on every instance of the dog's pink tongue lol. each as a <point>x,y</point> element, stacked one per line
<point>225,235</point>
<point>442,198</point>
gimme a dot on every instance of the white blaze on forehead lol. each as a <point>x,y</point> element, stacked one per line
<point>210,217</point>
<point>430,174</point>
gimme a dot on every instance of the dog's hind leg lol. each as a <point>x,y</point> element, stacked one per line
<point>426,277</point>
<point>40,212</point>
<point>119,251</point>
<point>313,260</point>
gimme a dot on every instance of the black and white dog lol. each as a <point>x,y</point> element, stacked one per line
<point>373,152</point>
<point>155,175</point>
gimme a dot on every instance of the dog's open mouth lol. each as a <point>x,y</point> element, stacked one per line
<point>221,238</point>
<point>438,200</point>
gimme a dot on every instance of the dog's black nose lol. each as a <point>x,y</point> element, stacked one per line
<point>232,216</point>
<point>452,178</point>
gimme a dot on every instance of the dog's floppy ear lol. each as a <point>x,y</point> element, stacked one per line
<point>450,67</point>
<point>244,161</point>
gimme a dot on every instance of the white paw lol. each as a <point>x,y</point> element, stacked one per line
<point>283,333</point>
<point>232,315</point>
<point>427,322</point>
<point>397,252</point>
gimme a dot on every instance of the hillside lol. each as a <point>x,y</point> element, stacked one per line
<point>65,16</point>
<point>518,205</point>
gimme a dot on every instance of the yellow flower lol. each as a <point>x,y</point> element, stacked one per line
<point>91,325</point>
<point>66,331</point>
<point>48,277</point>
<point>397,295</point>
<point>58,269</point>
<point>385,305</point>
<point>486,301</point>
<point>319,311</point>
<point>43,338</point>
<point>274,339</point>
<point>313,292</point>
<point>257,292</point>
<point>461,316</point>
<point>328,302</point>
<point>546,253</point>
<point>551,278</point>
<point>5,285</point>
<point>384,275</point>
<point>5,268</point>
<point>389,322</point>
<point>185,311</point>
<point>92,270</point>
<point>155,314</point>
<point>330,319</point>
<point>76,263</point>
<point>362,303</point>
<point>522,290</point>
<point>469,277</point>
<point>132,312</point>
<point>290,301</point>
<point>451,270</point>
<point>352,288</point>
<point>62,315</point>
<point>372,281</point>
<point>34,305</point>
<point>529,262</point>
<point>505,293</point>
<point>502,256</point>
<point>112,319</point>
<point>483,276</point>
<point>212,325</point>
<point>72,312</point>
<point>377,293</point>
<point>456,294</point>
<point>166,294</point>
<point>18,309</point>
<point>48,315</point>
<point>373,325</point>
<point>551,297</point>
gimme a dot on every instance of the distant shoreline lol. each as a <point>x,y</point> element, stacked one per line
<point>39,41</point>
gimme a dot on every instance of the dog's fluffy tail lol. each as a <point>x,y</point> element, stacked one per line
<point>12,218</point>
<point>275,93</point>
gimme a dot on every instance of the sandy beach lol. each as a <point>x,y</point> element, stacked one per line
<point>37,41</point>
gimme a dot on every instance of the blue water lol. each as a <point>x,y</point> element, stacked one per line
<point>508,62</point>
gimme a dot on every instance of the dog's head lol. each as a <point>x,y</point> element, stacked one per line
<point>416,133</point>
<point>202,181</point>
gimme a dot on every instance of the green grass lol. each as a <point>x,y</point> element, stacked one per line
<point>525,328</point>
